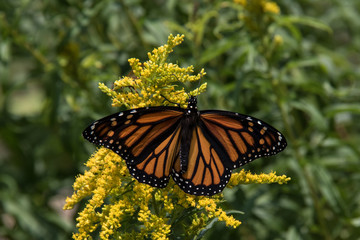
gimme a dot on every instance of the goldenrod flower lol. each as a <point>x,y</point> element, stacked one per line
<point>119,206</point>
<point>257,14</point>
<point>241,2</point>
<point>270,7</point>
<point>244,177</point>
<point>278,40</point>
<point>257,6</point>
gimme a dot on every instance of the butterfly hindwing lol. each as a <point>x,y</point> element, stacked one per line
<point>146,138</point>
<point>205,173</point>
<point>156,168</point>
<point>242,138</point>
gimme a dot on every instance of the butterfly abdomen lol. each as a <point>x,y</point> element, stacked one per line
<point>188,124</point>
<point>187,127</point>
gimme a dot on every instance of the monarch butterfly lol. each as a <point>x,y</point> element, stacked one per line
<point>198,149</point>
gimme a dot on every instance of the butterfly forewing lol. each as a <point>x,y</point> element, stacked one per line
<point>147,138</point>
<point>242,138</point>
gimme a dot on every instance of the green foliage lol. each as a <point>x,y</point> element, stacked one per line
<point>297,70</point>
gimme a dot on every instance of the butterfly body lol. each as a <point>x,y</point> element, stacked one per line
<point>188,123</point>
<point>198,149</point>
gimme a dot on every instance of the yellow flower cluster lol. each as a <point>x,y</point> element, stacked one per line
<point>270,7</point>
<point>244,177</point>
<point>258,6</point>
<point>278,40</point>
<point>126,196</point>
<point>257,15</point>
<point>119,206</point>
<point>154,79</point>
<point>215,211</point>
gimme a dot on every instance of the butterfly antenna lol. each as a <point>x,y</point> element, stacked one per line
<point>177,104</point>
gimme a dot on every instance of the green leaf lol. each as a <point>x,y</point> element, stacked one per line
<point>341,108</point>
<point>311,22</point>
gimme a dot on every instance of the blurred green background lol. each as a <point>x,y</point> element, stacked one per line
<point>298,70</point>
